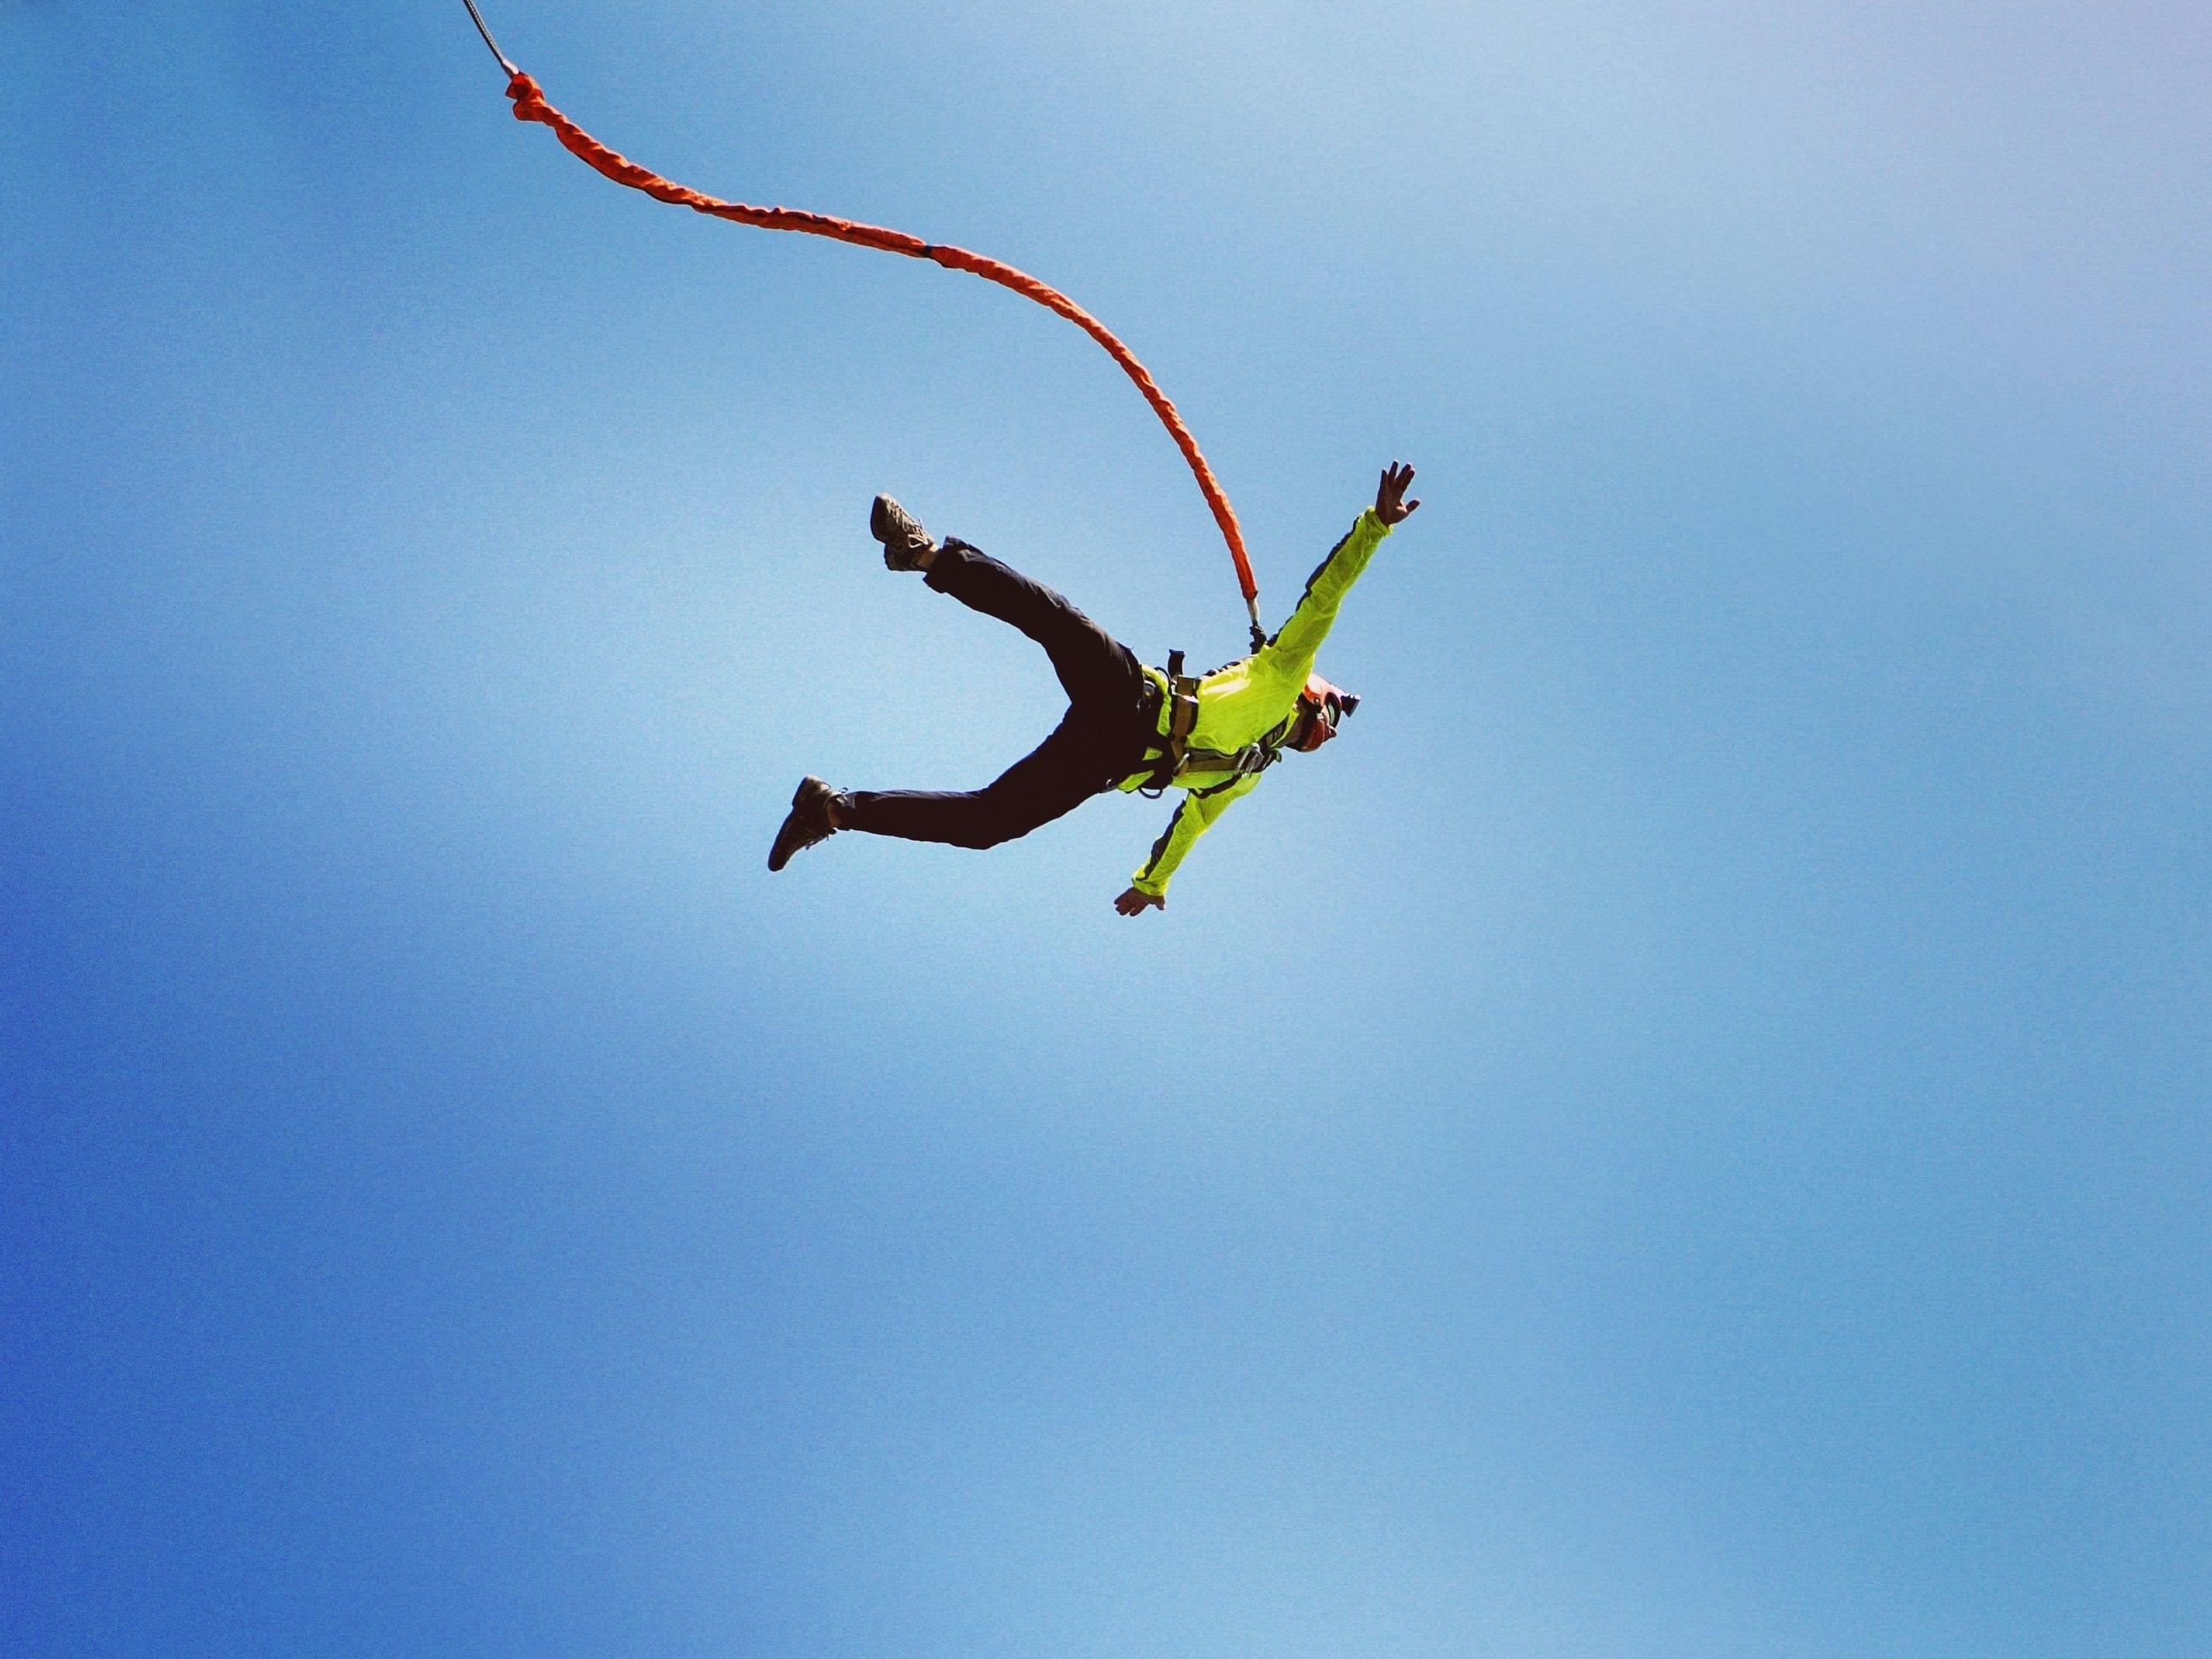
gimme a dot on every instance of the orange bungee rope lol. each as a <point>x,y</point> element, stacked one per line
<point>530,104</point>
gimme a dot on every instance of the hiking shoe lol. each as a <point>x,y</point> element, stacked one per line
<point>906,544</point>
<point>807,823</point>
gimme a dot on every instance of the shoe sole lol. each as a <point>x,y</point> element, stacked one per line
<point>798,798</point>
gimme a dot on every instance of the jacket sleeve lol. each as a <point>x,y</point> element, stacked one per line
<point>1291,652</point>
<point>1192,818</point>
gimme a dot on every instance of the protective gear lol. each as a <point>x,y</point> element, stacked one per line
<point>1322,706</point>
<point>807,823</point>
<point>1180,720</point>
<point>906,544</point>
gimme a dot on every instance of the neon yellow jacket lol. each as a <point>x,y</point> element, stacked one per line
<point>1252,702</point>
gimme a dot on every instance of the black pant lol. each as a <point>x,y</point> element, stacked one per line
<point>1111,710</point>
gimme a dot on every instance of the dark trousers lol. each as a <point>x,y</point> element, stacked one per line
<point>1111,708</point>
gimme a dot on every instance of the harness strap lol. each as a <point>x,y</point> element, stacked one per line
<point>1182,720</point>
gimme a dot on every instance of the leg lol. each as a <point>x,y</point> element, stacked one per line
<point>1069,766</point>
<point>1094,667</point>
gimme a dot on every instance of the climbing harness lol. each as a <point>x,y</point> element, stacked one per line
<point>530,104</point>
<point>1177,759</point>
<point>1182,722</point>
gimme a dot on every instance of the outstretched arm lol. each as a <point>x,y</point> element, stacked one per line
<point>1295,644</point>
<point>1193,817</point>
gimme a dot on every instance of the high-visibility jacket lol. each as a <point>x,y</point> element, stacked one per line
<point>1247,708</point>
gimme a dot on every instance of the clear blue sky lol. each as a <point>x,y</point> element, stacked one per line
<point>1686,1134</point>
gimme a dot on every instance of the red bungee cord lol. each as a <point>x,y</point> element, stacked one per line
<point>530,104</point>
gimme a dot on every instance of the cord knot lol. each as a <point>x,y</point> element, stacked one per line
<point>530,103</point>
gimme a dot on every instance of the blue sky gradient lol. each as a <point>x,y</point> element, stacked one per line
<point>1686,1134</point>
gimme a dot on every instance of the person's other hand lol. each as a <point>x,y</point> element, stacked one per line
<point>1134,903</point>
<point>1390,503</point>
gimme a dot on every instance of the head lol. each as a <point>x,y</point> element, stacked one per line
<point>1321,708</point>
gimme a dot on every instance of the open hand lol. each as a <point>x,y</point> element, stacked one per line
<point>1390,503</point>
<point>1134,903</point>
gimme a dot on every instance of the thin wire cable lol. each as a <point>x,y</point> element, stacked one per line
<point>477,17</point>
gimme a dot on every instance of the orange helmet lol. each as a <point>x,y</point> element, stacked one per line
<point>1328,704</point>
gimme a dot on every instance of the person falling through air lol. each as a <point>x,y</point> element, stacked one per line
<point>1128,725</point>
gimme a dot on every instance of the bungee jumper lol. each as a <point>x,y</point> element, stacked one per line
<point>1128,725</point>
